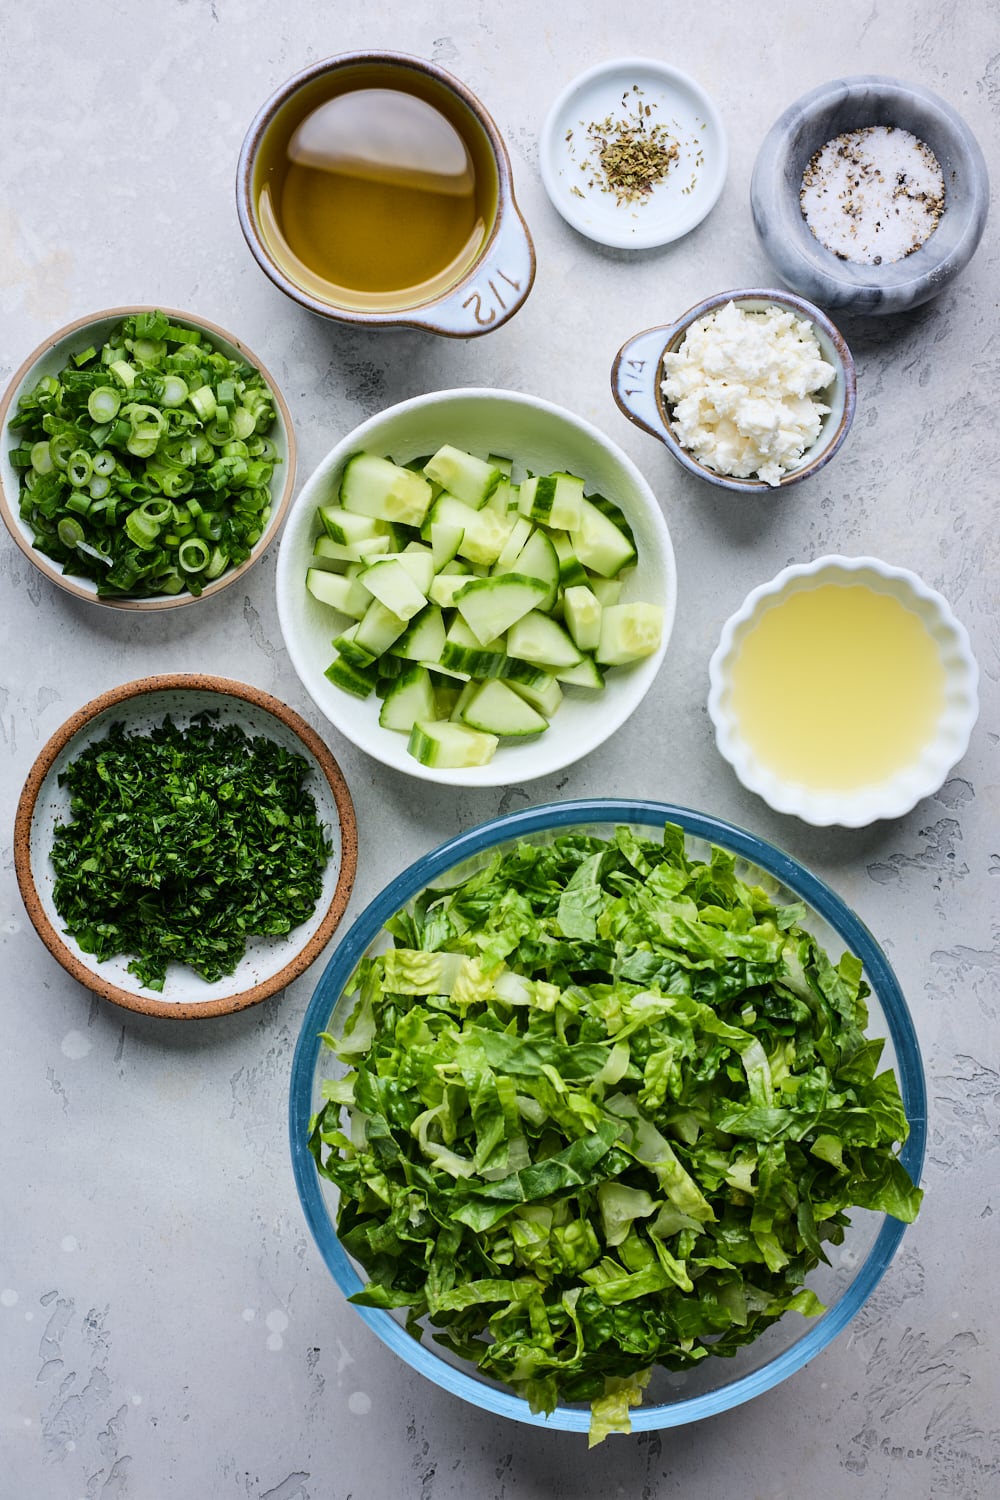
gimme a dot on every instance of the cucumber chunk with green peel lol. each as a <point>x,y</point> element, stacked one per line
<point>543,693</point>
<point>538,559</point>
<point>628,633</point>
<point>411,697</point>
<point>339,590</point>
<point>360,681</point>
<point>490,606</point>
<point>585,674</point>
<point>540,639</point>
<point>582,616</point>
<point>423,639</point>
<point>389,580</point>
<point>571,569</point>
<point>464,652</point>
<point>551,499</point>
<point>607,590</point>
<point>484,532</point>
<point>446,745</point>
<point>497,709</point>
<point>346,646</point>
<point>374,486</point>
<point>472,479</point>
<point>520,532</point>
<point>446,585</point>
<point>336,556</point>
<point>347,526</point>
<point>445,541</point>
<point>378,628</point>
<point>599,544</point>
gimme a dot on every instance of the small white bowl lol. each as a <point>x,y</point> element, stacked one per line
<point>926,772</point>
<point>52,356</point>
<point>637,378</point>
<point>543,438</point>
<point>270,963</point>
<point>691,187</point>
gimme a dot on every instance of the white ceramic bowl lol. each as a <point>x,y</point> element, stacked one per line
<point>637,376</point>
<point>270,963</point>
<point>542,437</point>
<point>920,776</point>
<point>52,356</point>
<point>692,185</point>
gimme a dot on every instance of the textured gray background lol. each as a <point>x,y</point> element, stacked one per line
<point>166,1325</point>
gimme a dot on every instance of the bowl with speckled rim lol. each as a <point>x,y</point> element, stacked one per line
<point>849,104</point>
<point>850,1271</point>
<point>269,963</point>
<point>54,355</point>
<point>637,386</point>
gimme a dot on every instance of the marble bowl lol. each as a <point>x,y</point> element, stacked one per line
<point>896,792</point>
<point>843,1282</point>
<point>799,258</point>
<point>540,437</point>
<point>52,356</point>
<point>637,376</point>
<point>270,963</point>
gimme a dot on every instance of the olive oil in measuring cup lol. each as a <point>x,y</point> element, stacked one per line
<point>838,687</point>
<point>376,188</point>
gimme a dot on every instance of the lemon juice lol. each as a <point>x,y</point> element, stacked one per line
<point>838,686</point>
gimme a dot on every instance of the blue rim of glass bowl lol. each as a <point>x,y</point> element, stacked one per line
<point>352,947</point>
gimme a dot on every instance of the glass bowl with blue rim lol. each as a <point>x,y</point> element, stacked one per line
<point>852,1260</point>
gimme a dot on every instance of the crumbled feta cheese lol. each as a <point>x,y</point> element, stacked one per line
<point>742,386</point>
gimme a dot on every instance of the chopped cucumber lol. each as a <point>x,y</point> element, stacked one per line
<point>471,479</point>
<point>410,698</point>
<point>540,639</point>
<point>339,590</point>
<point>582,614</point>
<point>443,743</point>
<point>377,487</point>
<point>473,599</point>
<point>498,709</point>
<point>629,632</point>
<point>490,606</point>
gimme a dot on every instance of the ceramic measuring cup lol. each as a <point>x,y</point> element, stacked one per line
<point>488,286</point>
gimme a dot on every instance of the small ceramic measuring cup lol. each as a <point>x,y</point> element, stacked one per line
<point>637,375</point>
<point>488,287</point>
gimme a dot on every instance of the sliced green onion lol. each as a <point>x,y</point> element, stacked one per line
<point>79,468</point>
<point>141,530</point>
<point>104,463</point>
<point>203,401</point>
<point>70,531</point>
<point>175,390</point>
<point>103,403</point>
<point>193,554</point>
<point>41,457</point>
<point>99,487</point>
<point>124,371</point>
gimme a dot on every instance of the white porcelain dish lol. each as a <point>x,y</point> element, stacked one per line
<point>542,437</point>
<point>53,355</point>
<point>923,775</point>
<point>270,963</point>
<point>693,183</point>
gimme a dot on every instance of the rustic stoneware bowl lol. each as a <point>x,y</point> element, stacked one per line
<point>484,292</point>
<point>846,104</point>
<point>52,356</point>
<point>269,963</point>
<point>637,375</point>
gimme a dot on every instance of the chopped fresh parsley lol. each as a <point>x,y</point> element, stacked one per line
<point>185,843</point>
<point>605,1105</point>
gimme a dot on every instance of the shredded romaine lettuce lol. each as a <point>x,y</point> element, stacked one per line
<point>605,1103</point>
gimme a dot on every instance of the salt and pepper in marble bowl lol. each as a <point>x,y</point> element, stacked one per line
<point>896,117</point>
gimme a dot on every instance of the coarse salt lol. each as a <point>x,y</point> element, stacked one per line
<point>873,195</point>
